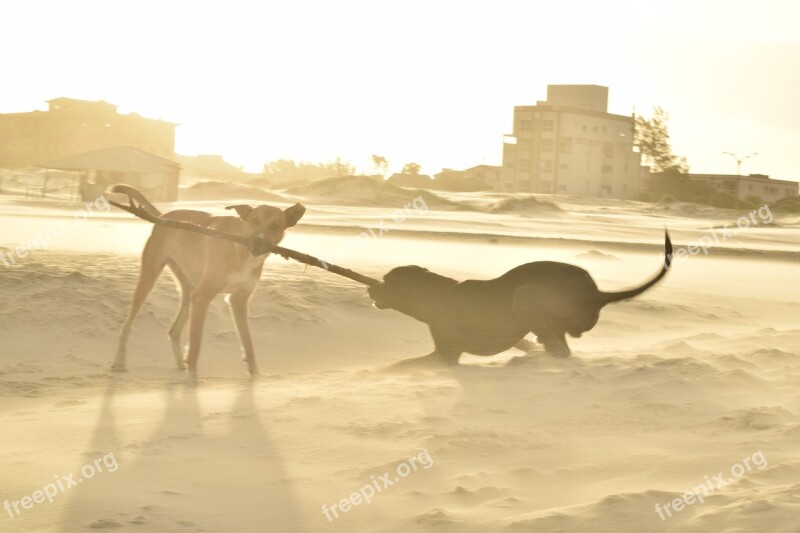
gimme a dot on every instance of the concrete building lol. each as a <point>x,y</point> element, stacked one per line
<point>570,144</point>
<point>488,174</point>
<point>71,126</point>
<point>758,185</point>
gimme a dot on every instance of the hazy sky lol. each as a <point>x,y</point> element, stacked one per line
<point>427,81</point>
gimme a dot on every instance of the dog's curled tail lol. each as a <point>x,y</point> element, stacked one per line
<point>134,193</point>
<point>609,297</point>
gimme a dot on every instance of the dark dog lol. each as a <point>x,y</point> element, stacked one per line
<point>487,317</point>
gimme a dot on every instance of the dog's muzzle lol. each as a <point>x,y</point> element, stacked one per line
<point>259,244</point>
<point>376,292</point>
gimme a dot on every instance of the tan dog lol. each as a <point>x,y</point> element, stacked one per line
<point>205,267</point>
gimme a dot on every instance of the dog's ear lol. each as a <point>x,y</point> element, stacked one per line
<point>294,214</point>
<point>242,210</point>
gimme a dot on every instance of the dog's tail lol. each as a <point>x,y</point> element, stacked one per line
<point>134,193</point>
<point>609,297</point>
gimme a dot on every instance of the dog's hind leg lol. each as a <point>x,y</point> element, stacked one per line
<point>555,344</point>
<point>435,359</point>
<point>176,330</point>
<point>238,302</point>
<point>152,265</point>
<point>525,345</point>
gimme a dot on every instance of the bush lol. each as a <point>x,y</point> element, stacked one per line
<point>667,199</point>
<point>724,200</point>
<point>788,205</point>
<point>753,201</point>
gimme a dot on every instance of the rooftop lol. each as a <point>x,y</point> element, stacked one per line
<point>114,159</point>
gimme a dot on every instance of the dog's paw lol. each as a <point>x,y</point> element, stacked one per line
<point>191,377</point>
<point>252,369</point>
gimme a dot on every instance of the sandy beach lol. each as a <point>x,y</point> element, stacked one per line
<point>691,388</point>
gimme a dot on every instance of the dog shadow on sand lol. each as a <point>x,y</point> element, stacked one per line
<point>202,465</point>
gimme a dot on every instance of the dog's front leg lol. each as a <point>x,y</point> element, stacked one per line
<point>239,303</point>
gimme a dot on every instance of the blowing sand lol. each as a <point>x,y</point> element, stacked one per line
<point>698,377</point>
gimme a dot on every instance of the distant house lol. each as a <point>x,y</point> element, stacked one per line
<point>477,178</point>
<point>759,185</point>
<point>209,167</point>
<point>155,176</point>
<point>71,126</point>
<point>414,181</point>
<point>487,174</point>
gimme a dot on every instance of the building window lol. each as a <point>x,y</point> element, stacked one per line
<point>548,125</point>
<point>565,145</point>
<point>524,164</point>
<point>595,129</point>
<point>583,127</point>
<point>563,166</point>
<point>605,130</point>
<point>509,165</point>
<point>547,165</point>
<point>608,150</point>
<point>607,169</point>
<point>525,124</point>
<point>547,145</point>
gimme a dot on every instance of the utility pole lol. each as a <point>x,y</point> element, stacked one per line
<point>739,160</point>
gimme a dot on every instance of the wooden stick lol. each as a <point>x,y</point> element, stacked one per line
<point>256,245</point>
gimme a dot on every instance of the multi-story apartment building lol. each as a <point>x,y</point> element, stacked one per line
<point>71,126</point>
<point>570,144</point>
